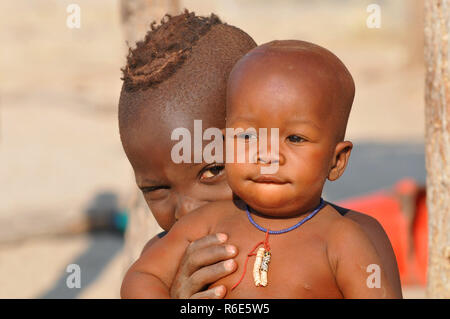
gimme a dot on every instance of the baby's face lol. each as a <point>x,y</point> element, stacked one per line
<point>278,95</point>
<point>171,190</point>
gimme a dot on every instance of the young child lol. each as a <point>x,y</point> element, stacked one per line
<point>307,248</point>
<point>177,74</point>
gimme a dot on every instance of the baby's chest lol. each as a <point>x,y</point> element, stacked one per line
<point>298,267</point>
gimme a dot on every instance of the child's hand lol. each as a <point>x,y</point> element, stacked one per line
<point>205,261</point>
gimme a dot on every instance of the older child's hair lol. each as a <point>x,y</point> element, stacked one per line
<point>164,49</point>
<point>186,59</point>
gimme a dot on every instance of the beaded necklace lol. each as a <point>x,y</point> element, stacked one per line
<point>261,265</point>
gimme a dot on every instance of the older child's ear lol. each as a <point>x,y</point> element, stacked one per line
<point>340,160</point>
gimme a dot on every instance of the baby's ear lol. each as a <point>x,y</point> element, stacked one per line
<point>340,159</point>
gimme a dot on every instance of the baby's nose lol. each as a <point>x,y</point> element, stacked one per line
<point>268,158</point>
<point>271,159</point>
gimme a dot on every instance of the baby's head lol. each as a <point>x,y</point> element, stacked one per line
<point>306,92</point>
<point>178,74</point>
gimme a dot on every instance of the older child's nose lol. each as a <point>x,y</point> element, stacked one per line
<point>185,205</point>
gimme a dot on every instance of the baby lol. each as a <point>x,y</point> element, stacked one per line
<point>302,246</point>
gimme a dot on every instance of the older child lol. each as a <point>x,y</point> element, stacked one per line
<point>178,73</point>
<point>305,92</point>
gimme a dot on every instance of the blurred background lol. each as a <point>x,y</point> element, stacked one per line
<point>63,169</point>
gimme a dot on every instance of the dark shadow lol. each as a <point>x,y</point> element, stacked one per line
<point>103,247</point>
<point>104,243</point>
<point>101,209</point>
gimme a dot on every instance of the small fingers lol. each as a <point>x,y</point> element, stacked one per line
<point>202,254</point>
<point>213,239</point>
<point>185,287</point>
<point>213,293</point>
<point>208,275</point>
<point>208,256</point>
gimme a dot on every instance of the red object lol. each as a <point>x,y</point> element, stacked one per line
<point>402,213</point>
<point>420,235</point>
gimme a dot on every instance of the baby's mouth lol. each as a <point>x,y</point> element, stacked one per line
<point>269,179</point>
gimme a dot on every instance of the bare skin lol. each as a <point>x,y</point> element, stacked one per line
<point>195,270</point>
<point>335,266</point>
<point>174,190</point>
<point>194,186</point>
<point>338,249</point>
<point>204,262</point>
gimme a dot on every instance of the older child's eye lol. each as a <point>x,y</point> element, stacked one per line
<point>295,139</point>
<point>155,192</point>
<point>153,188</point>
<point>211,171</point>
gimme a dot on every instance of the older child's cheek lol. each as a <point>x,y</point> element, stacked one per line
<point>164,214</point>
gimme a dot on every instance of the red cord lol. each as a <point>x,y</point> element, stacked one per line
<point>266,241</point>
<point>252,253</point>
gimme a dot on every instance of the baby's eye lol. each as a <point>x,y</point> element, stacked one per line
<point>210,172</point>
<point>247,136</point>
<point>295,139</point>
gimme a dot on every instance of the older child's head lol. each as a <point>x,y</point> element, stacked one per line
<point>176,75</point>
<point>306,92</point>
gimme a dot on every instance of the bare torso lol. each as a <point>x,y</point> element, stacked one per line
<point>300,266</point>
<point>304,260</point>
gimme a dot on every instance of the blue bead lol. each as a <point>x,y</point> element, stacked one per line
<point>282,231</point>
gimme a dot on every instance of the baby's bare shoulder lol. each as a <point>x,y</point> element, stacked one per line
<point>342,232</point>
<point>369,224</point>
<point>346,237</point>
<point>339,226</point>
<point>365,223</point>
<point>343,228</point>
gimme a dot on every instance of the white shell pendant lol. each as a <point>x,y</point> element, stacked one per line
<point>260,267</point>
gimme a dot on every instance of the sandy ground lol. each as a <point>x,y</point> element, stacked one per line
<point>59,141</point>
